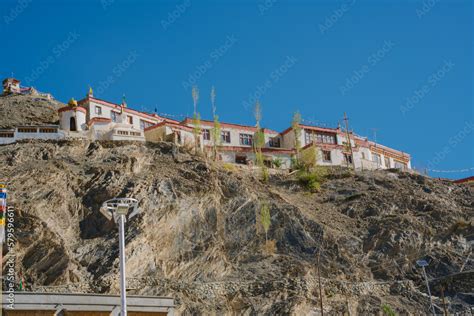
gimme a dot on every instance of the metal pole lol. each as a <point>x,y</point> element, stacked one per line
<point>429,292</point>
<point>349,140</point>
<point>123,294</point>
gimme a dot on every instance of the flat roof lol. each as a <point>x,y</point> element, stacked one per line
<point>84,302</point>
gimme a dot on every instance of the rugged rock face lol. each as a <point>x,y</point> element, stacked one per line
<point>16,110</point>
<point>200,238</point>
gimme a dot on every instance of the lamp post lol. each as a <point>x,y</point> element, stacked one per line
<point>121,209</point>
<point>423,264</point>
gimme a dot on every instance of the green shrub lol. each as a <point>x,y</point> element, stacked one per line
<point>311,180</point>
<point>387,310</point>
<point>265,174</point>
<point>277,162</point>
<point>229,167</point>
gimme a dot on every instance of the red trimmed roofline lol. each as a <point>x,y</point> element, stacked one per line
<point>250,149</point>
<point>98,119</point>
<point>388,149</point>
<point>464,180</point>
<point>165,123</point>
<point>189,120</point>
<point>12,79</point>
<point>314,128</point>
<point>71,108</point>
<point>117,106</point>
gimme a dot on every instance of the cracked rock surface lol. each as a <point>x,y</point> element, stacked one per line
<point>199,237</point>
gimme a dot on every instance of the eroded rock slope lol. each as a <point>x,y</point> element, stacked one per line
<point>199,237</point>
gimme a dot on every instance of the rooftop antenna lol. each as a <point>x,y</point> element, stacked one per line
<point>374,132</point>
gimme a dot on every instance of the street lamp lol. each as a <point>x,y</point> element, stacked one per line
<point>121,209</point>
<point>423,264</point>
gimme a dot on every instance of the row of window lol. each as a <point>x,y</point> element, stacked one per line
<point>28,130</point>
<point>244,139</point>
<point>327,157</point>
<point>114,116</point>
<point>378,160</point>
<point>317,137</point>
<point>35,130</point>
<point>131,133</point>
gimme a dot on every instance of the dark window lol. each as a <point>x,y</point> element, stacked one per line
<point>130,119</point>
<point>387,162</point>
<point>206,134</point>
<point>6,135</point>
<point>400,165</point>
<point>241,159</point>
<point>318,137</point>
<point>98,110</point>
<point>376,158</point>
<point>72,124</point>
<point>348,158</point>
<point>274,142</point>
<point>48,130</point>
<point>225,136</point>
<point>246,139</point>
<point>326,156</point>
<point>32,130</point>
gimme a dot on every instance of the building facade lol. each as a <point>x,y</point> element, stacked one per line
<point>336,147</point>
<point>95,119</point>
<point>236,143</point>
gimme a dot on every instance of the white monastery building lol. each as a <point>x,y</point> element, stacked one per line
<point>95,119</point>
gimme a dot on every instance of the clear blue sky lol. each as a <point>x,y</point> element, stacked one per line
<point>403,68</point>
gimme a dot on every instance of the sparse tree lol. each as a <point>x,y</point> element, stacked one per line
<point>265,219</point>
<point>196,120</point>
<point>259,141</point>
<point>216,130</point>
<point>195,94</point>
<point>295,124</point>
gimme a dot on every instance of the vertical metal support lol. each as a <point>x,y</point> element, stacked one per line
<point>348,139</point>
<point>429,291</point>
<point>123,294</point>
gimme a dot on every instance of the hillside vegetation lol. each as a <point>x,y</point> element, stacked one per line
<point>201,240</point>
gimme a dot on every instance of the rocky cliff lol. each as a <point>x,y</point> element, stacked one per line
<point>200,237</point>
